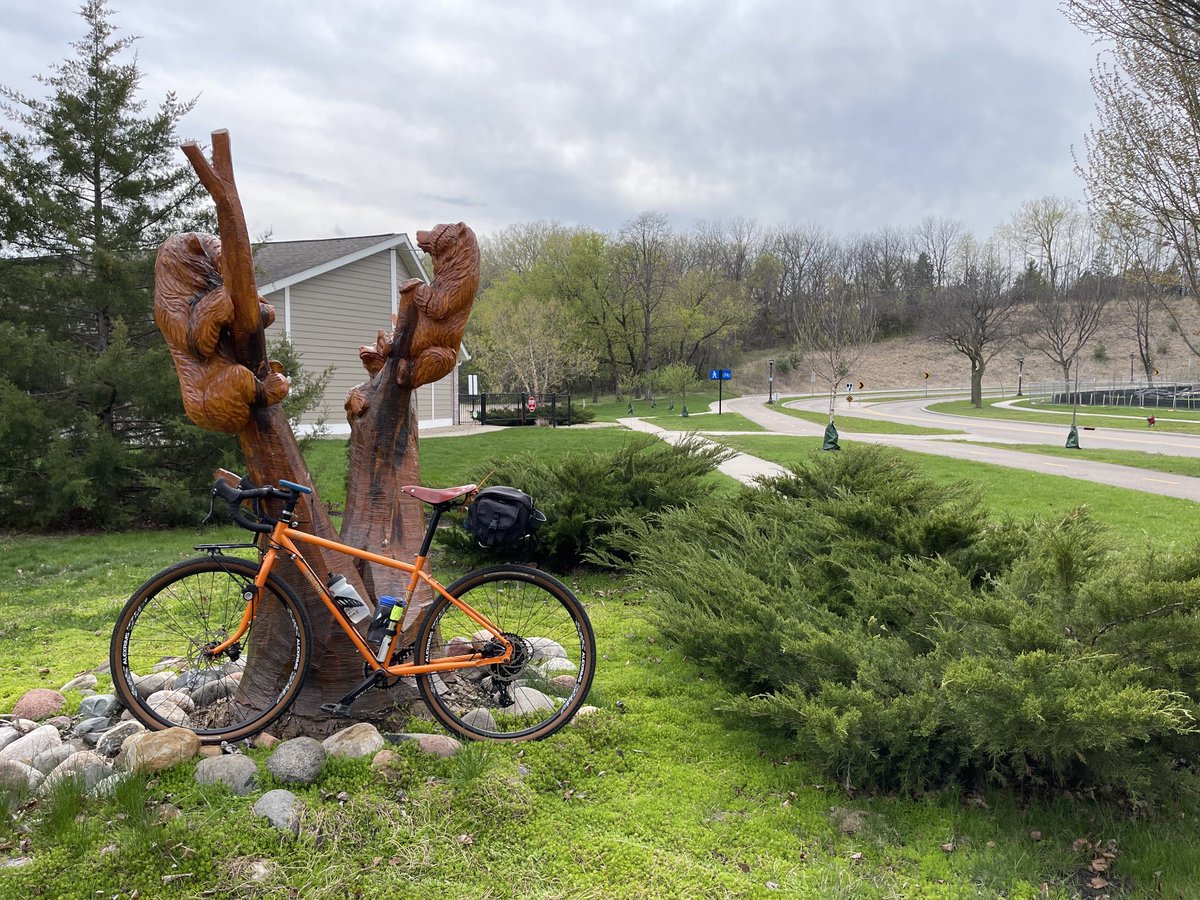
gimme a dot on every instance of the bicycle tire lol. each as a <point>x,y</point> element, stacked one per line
<point>541,688</point>
<point>167,622</point>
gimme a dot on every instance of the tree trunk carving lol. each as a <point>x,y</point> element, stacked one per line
<point>206,305</point>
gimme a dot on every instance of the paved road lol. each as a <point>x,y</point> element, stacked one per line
<point>961,447</point>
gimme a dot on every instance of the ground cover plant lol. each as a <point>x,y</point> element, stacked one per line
<point>908,641</point>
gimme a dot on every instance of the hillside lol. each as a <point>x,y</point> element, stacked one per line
<point>899,363</point>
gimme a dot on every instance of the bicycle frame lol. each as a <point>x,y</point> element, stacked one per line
<point>283,539</point>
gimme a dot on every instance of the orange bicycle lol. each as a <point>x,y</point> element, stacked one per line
<point>222,645</point>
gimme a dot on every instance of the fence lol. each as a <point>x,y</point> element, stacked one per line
<point>514,409</point>
<point>1158,395</point>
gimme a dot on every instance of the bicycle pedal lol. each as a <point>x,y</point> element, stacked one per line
<point>336,709</point>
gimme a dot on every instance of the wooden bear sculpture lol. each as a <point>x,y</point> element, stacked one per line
<point>193,309</point>
<point>441,308</point>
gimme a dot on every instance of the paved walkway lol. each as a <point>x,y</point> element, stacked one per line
<point>747,468</point>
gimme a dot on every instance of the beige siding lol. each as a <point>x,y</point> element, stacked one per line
<point>332,315</point>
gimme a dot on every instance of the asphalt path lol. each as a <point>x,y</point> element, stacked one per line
<point>965,446</point>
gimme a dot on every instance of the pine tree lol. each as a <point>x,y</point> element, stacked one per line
<point>91,425</point>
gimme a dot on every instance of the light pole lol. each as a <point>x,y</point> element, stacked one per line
<point>1131,365</point>
<point>770,381</point>
<point>1020,373</point>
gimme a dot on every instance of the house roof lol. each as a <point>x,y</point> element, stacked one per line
<point>283,263</point>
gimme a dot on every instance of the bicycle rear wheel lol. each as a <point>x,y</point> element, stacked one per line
<point>162,673</point>
<point>537,691</point>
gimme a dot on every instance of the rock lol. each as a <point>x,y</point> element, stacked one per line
<point>264,740</point>
<point>8,734</point>
<point>85,764</point>
<point>152,751</point>
<point>544,648</point>
<point>208,750</point>
<point>167,812</point>
<point>24,749</point>
<point>361,739</point>
<point>179,698</point>
<point>98,705</point>
<point>171,662</point>
<point>847,821</point>
<point>39,703</point>
<point>110,741</point>
<point>234,770</point>
<point>279,808</point>
<point>527,700</point>
<point>24,726</point>
<point>172,712</point>
<point>86,692</point>
<point>214,690</point>
<point>384,761</point>
<point>555,664</point>
<point>91,725</point>
<point>106,786</point>
<point>190,680</point>
<point>586,711</point>
<point>481,718</point>
<point>153,683</point>
<point>48,760</point>
<point>562,685</point>
<point>86,681</point>
<point>62,723</point>
<point>18,777</point>
<point>298,761</point>
<point>438,744</point>
<point>102,669</point>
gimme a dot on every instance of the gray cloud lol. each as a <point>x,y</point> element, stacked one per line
<point>374,116</point>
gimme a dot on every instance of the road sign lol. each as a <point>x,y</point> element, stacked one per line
<point>926,376</point>
<point>861,385</point>
<point>720,374</point>
<point>532,403</point>
<point>849,398</point>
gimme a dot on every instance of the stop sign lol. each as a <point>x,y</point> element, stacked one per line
<point>532,403</point>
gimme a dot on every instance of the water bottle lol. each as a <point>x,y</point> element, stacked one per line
<point>387,619</point>
<point>347,599</point>
<point>383,614</point>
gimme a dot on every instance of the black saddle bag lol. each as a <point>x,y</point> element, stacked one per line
<point>500,516</point>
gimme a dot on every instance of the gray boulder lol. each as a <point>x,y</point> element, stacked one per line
<point>90,725</point>
<point>24,749</point>
<point>153,683</point>
<point>361,739</point>
<point>234,770</point>
<point>279,808</point>
<point>111,740</point>
<point>8,734</point>
<point>48,760</point>
<point>298,761</point>
<point>98,705</point>
<point>18,777</point>
<point>86,681</point>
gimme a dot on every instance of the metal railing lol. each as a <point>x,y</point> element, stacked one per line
<point>515,409</point>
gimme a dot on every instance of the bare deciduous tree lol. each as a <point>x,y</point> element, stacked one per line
<point>977,316</point>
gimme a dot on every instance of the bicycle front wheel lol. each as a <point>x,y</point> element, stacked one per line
<point>540,688</point>
<point>162,670</point>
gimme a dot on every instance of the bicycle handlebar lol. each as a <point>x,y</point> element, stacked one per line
<point>235,497</point>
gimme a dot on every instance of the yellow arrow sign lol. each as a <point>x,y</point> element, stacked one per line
<point>926,375</point>
<point>861,385</point>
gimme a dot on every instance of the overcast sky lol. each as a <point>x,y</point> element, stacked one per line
<point>366,117</point>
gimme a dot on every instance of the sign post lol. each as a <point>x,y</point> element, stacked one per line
<point>720,376</point>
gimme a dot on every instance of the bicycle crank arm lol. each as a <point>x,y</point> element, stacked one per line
<point>342,707</point>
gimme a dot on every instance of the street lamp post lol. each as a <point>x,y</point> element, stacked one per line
<point>770,381</point>
<point>1020,373</point>
<point>1131,365</point>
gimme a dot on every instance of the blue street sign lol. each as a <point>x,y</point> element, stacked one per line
<point>720,374</point>
<point>714,374</point>
<point>726,374</point>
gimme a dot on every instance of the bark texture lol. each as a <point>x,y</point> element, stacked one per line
<point>208,309</point>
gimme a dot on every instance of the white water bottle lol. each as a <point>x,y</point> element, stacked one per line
<point>347,599</point>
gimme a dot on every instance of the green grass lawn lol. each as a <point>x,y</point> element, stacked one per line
<point>1133,515</point>
<point>1156,462</point>
<point>1181,421</point>
<point>726,421</point>
<point>659,795</point>
<point>862,424</point>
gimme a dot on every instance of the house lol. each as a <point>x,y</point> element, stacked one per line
<point>331,297</point>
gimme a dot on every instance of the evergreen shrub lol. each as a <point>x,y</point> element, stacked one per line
<point>908,640</point>
<point>584,494</point>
